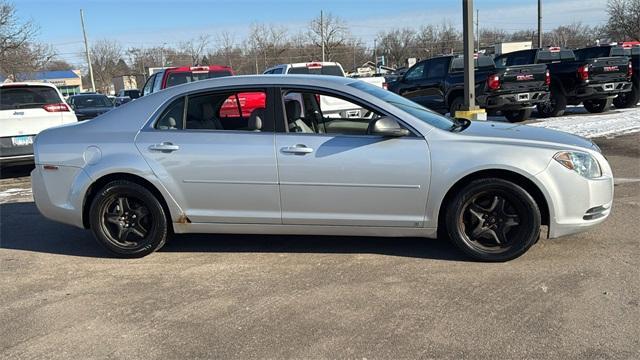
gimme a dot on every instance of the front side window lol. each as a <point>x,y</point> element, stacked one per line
<point>148,86</point>
<point>317,113</point>
<point>416,72</point>
<point>245,110</point>
<point>157,84</point>
<point>418,111</point>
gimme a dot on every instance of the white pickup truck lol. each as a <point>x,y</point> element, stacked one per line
<point>331,106</point>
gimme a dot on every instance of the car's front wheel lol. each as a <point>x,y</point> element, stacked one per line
<point>128,220</point>
<point>493,220</point>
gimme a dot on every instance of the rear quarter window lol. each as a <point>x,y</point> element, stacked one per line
<point>27,97</point>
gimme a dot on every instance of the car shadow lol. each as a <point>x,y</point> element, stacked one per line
<point>14,171</point>
<point>23,228</point>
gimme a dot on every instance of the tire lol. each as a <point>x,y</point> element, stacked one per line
<point>555,106</point>
<point>128,220</point>
<point>629,99</point>
<point>493,220</point>
<point>597,106</point>
<point>517,115</point>
<point>456,104</point>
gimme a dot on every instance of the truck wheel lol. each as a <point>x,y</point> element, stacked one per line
<point>555,106</point>
<point>517,115</point>
<point>597,106</point>
<point>455,105</point>
<point>629,99</point>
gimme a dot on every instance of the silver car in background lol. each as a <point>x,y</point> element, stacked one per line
<point>254,154</point>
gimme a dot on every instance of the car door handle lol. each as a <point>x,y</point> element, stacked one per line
<point>164,147</point>
<point>299,149</point>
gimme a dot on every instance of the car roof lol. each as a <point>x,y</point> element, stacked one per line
<point>92,94</point>
<point>27,83</point>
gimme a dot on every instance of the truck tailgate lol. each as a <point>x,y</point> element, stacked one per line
<point>524,77</point>
<point>608,69</point>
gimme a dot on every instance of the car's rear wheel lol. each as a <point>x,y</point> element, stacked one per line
<point>517,115</point>
<point>128,220</point>
<point>493,220</point>
<point>555,106</point>
<point>628,99</point>
<point>597,106</point>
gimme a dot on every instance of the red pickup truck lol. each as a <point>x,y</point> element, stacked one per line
<point>235,106</point>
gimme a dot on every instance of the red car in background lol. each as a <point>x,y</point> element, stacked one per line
<point>240,105</point>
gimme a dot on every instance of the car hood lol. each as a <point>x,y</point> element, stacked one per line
<point>507,131</point>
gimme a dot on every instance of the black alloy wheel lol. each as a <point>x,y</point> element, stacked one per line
<point>128,220</point>
<point>493,220</point>
<point>555,106</point>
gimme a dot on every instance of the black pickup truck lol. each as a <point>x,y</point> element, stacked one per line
<point>438,84</point>
<point>592,82</point>
<point>631,98</point>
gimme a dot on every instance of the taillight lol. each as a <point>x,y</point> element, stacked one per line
<point>547,78</point>
<point>630,70</point>
<point>59,107</point>
<point>386,86</point>
<point>583,73</point>
<point>493,82</point>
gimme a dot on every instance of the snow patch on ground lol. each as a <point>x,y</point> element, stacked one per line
<point>579,122</point>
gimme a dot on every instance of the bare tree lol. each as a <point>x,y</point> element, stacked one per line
<point>270,42</point>
<point>490,37</point>
<point>13,32</point>
<point>397,45</point>
<point>106,59</point>
<point>335,31</point>
<point>574,35</point>
<point>448,39</point>
<point>624,19</point>
<point>195,48</point>
<point>226,44</point>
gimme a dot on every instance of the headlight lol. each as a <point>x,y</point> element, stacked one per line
<point>582,163</point>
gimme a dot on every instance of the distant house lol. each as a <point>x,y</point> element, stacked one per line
<point>67,81</point>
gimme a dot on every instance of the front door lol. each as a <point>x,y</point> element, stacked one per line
<point>332,172</point>
<point>215,154</point>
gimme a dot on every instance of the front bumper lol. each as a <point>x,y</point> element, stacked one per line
<point>576,204</point>
<point>515,101</point>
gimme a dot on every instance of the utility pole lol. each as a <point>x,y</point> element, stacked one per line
<point>539,24</point>
<point>478,30</point>
<point>469,109</point>
<point>322,33</point>
<point>375,54</point>
<point>86,50</point>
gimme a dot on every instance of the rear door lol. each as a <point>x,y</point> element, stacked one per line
<point>426,85</point>
<point>219,165</point>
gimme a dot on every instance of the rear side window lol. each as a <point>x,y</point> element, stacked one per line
<point>177,78</point>
<point>244,110</point>
<point>436,68</point>
<point>324,70</point>
<point>27,97</point>
<point>173,116</point>
<point>592,53</point>
<point>546,56</point>
<point>524,58</point>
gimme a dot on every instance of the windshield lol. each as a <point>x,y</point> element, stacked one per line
<point>177,78</point>
<point>27,97</point>
<point>406,105</point>
<point>82,102</point>
<point>324,70</point>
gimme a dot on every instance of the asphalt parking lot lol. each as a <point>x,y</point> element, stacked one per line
<point>241,296</point>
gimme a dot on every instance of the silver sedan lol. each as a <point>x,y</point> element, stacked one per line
<point>256,155</point>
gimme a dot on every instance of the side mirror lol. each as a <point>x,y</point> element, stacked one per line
<point>386,126</point>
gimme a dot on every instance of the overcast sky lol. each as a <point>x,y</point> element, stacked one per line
<point>151,23</point>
